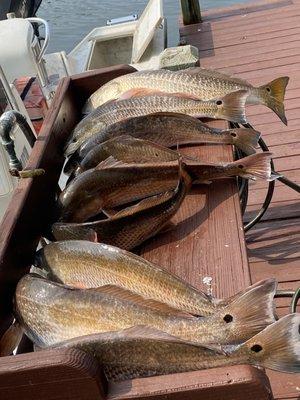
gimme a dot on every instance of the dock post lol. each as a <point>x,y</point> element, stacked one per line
<point>191,13</point>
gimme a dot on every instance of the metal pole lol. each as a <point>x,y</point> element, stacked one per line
<point>191,13</point>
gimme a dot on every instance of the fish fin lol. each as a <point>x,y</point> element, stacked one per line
<point>138,92</point>
<point>127,295</point>
<point>168,227</point>
<point>109,162</point>
<point>92,236</point>
<point>148,332</point>
<point>256,166</point>
<point>276,91</point>
<point>71,148</point>
<point>251,311</point>
<point>71,164</point>
<point>214,74</point>
<point>11,339</point>
<point>245,139</point>
<point>232,106</point>
<point>278,346</point>
<point>109,212</point>
<point>144,204</point>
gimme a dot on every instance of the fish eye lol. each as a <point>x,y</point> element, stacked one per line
<point>268,89</point>
<point>233,134</point>
<point>228,318</point>
<point>256,348</point>
<point>219,102</point>
<point>240,166</point>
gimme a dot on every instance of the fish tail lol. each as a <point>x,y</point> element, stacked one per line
<point>244,139</point>
<point>274,92</point>
<point>255,166</point>
<point>11,339</point>
<point>252,310</point>
<point>232,106</point>
<point>277,346</point>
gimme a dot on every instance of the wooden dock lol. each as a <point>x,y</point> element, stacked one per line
<point>259,42</point>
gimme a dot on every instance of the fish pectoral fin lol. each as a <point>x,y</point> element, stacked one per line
<point>109,212</point>
<point>168,227</point>
<point>127,295</point>
<point>11,339</point>
<point>138,92</point>
<point>109,162</point>
<point>144,204</point>
<point>92,236</point>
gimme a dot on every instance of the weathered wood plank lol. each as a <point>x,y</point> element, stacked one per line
<point>239,381</point>
<point>215,203</point>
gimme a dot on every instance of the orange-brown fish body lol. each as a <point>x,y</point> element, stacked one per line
<point>129,228</point>
<point>230,107</point>
<point>142,351</point>
<point>203,83</point>
<point>51,313</point>
<point>85,264</point>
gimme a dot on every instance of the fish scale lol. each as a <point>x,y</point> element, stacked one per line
<point>202,83</point>
<point>231,108</point>
<point>41,304</point>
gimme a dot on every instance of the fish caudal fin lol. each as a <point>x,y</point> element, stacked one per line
<point>277,346</point>
<point>251,311</point>
<point>256,166</point>
<point>232,106</point>
<point>275,92</point>
<point>245,139</point>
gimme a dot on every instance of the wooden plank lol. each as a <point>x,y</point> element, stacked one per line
<point>239,382</point>
<point>281,210</point>
<point>279,269</point>
<point>273,240</point>
<point>257,196</point>
<point>194,232</point>
<point>65,374</point>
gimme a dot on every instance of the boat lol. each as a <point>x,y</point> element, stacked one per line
<point>29,86</point>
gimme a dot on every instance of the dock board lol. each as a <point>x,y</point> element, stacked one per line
<point>259,42</point>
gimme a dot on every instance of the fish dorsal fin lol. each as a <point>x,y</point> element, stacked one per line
<point>156,334</point>
<point>141,92</point>
<point>213,74</point>
<point>144,204</point>
<point>127,295</point>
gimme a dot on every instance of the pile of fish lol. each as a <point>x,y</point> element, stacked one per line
<point>125,182</point>
<point>139,320</point>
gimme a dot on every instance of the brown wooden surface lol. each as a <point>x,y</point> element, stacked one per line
<point>238,382</point>
<point>208,240</point>
<point>259,42</point>
<point>65,374</point>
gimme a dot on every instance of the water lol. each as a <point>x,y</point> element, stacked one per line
<point>70,20</point>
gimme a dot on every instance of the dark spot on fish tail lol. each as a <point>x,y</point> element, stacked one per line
<point>233,134</point>
<point>240,166</point>
<point>256,348</point>
<point>228,318</point>
<point>268,89</point>
<point>299,329</point>
<point>219,102</point>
